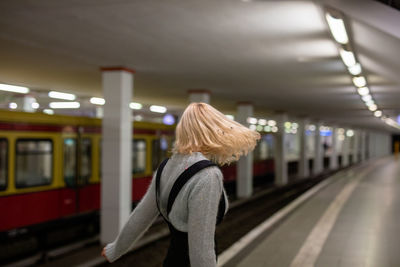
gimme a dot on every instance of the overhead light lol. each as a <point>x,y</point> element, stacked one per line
<point>295,125</point>
<point>48,111</point>
<point>370,103</point>
<point>288,124</point>
<point>312,127</point>
<point>355,69</point>
<point>158,109</point>
<point>231,117</point>
<point>12,105</point>
<point>253,127</point>
<point>271,123</point>
<point>64,105</point>
<point>349,133</point>
<point>35,105</point>
<point>259,128</point>
<point>14,88</point>
<point>134,105</point>
<point>274,129</point>
<point>138,117</point>
<point>169,119</point>
<point>373,107</point>
<point>267,128</point>
<point>59,95</point>
<point>366,98</point>
<point>363,91</point>
<point>262,122</point>
<point>378,113</point>
<point>252,120</point>
<point>359,81</point>
<point>348,57</point>
<point>97,101</point>
<point>337,28</point>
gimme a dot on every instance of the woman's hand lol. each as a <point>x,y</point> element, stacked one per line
<point>103,253</point>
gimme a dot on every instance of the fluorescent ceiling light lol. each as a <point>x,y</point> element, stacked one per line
<point>355,69</point>
<point>12,105</point>
<point>274,129</point>
<point>253,127</point>
<point>366,98</point>
<point>271,123</point>
<point>370,103</point>
<point>48,111</point>
<point>97,101</point>
<point>363,91</point>
<point>134,105</point>
<point>348,57</point>
<point>338,29</point>
<point>372,107</point>
<point>64,104</point>
<point>35,105</point>
<point>230,117</point>
<point>158,109</point>
<point>59,95</point>
<point>252,120</point>
<point>349,133</point>
<point>378,113</point>
<point>262,122</point>
<point>359,81</point>
<point>14,88</point>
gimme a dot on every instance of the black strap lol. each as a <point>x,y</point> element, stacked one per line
<point>184,177</point>
<point>158,179</point>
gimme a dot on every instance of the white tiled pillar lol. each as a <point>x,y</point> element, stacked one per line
<point>363,145</point>
<point>345,150</point>
<point>304,170</point>
<point>356,149</point>
<point>319,152</point>
<point>199,95</point>
<point>281,170</point>
<point>116,183</point>
<point>333,161</point>
<point>244,184</point>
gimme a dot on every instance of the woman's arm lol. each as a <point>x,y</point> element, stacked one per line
<point>139,221</point>
<point>203,208</point>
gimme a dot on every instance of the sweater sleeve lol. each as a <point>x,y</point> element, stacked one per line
<point>139,221</point>
<point>203,208</point>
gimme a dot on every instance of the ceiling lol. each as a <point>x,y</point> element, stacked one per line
<point>277,54</point>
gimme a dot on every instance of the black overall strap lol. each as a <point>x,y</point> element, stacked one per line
<point>158,179</point>
<point>183,178</point>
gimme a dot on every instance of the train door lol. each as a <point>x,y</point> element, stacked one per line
<point>69,203</point>
<point>77,170</point>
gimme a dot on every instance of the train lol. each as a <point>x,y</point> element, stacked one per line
<point>50,168</point>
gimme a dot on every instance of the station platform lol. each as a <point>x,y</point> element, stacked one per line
<point>351,219</point>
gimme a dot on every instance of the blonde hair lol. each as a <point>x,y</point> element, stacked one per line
<point>204,129</point>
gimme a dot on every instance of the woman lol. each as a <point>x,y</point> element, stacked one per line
<point>187,190</point>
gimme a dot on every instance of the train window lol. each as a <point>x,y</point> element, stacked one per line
<point>264,148</point>
<point>3,163</point>
<point>138,156</point>
<point>159,151</point>
<point>69,161</point>
<point>33,162</point>
<point>86,160</point>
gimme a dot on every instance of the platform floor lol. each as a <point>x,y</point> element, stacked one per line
<point>353,221</point>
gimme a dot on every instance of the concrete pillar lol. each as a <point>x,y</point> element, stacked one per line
<point>281,171</point>
<point>319,153</point>
<point>346,148</point>
<point>362,145</point>
<point>304,170</point>
<point>244,181</point>
<point>333,161</point>
<point>116,184</point>
<point>199,95</point>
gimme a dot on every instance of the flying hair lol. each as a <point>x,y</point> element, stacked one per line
<point>204,129</point>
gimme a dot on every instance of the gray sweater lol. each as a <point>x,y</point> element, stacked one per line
<point>194,210</point>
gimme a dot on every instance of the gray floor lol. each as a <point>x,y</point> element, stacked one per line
<point>365,233</point>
